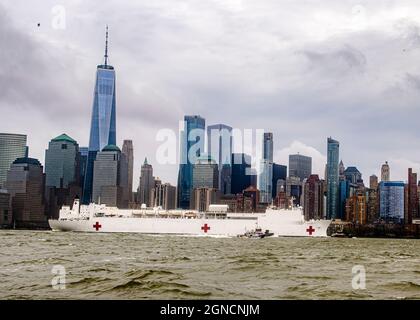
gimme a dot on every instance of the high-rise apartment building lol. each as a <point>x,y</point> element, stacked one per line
<point>333,153</point>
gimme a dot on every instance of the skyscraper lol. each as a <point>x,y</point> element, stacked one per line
<point>5,209</point>
<point>25,183</point>
<point>294,189</point>
<point>164,195</point>
<point>341,170</point>
<point>385,172</point>
<point>356,208</point>
<point>279,173</point>
<point>205,173</point>
<point>62,174</point>
<point>108,178</point>
<point>84,152</point>
<point>333,153</point>
<point>372,205</point>
<point>413,200</point>
<point>268,146</point>
<point>391,201</point>
<point>103,122</point>
<point>265,179</point>
<point>241,169</point>
<point>314,198</point>
<point>192,146</point>
<point>353,175</point>
<point>127,150</point>
<point>147,183</point>
<point>202,198</point>
<point>12,146</point>
<point>300,166</point>
<point>373,182</point>
<point>344,193</point>
<point>62,161</point>
<point>219,141</point>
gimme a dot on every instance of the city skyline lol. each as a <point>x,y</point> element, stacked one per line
<point>151,95</point>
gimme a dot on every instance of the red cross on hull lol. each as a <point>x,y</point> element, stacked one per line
<point>97,226</point>
<point>205,228</point>
<point>310,230</point>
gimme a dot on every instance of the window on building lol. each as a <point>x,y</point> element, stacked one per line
<point>63,146</point>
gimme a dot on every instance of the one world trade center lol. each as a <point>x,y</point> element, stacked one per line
<point>103,123</point>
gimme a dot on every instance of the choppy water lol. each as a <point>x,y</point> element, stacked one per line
<point>134,266</point>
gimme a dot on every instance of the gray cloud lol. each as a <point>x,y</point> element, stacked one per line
<point>338,62</point>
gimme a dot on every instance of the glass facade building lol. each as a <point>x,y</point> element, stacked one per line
<point>12,146</point>
<point>279,173</point>
<point>344,194</point>
<point>62,160</point>
<point>265,178</point>
<point>300,166</point>
<point>26,183</point>
<point>333,153</point>
<point>353,175</point>
<point>103,122</point>
<point>205,173</point>
<point>110,178</point>
<point>192,146</point>
<point>391,197</point>
<point>84,152</point>
<point>268,146</point>
<point>219,146</point>
<point>265,181</point>
<point>241,172</point>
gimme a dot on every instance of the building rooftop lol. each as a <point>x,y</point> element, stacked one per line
<point>111,147</point>
<point>205,158</point>
<point>106,67</point>
<point>64,137</point>
<point>27,160</point>
<point>351,169</point>
<point>12,134</point>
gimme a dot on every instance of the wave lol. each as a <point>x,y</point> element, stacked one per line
<point>160,288</point>
<point>88,280</point>
<point>403,285</point>
<point>142,274</point>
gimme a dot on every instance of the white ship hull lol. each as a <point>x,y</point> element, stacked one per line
<point>279,222</point>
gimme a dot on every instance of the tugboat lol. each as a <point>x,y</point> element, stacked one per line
<point>256,234</point>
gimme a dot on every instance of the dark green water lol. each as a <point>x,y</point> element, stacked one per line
<point>134,266</point>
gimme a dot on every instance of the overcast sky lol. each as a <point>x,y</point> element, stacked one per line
<point>304,70</point>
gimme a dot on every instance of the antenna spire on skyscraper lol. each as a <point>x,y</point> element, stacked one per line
<point>106,46</point>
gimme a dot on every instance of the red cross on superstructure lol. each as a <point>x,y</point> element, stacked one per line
<point>97,226</point>
<point>310,230</point>
<point>205,228</point>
